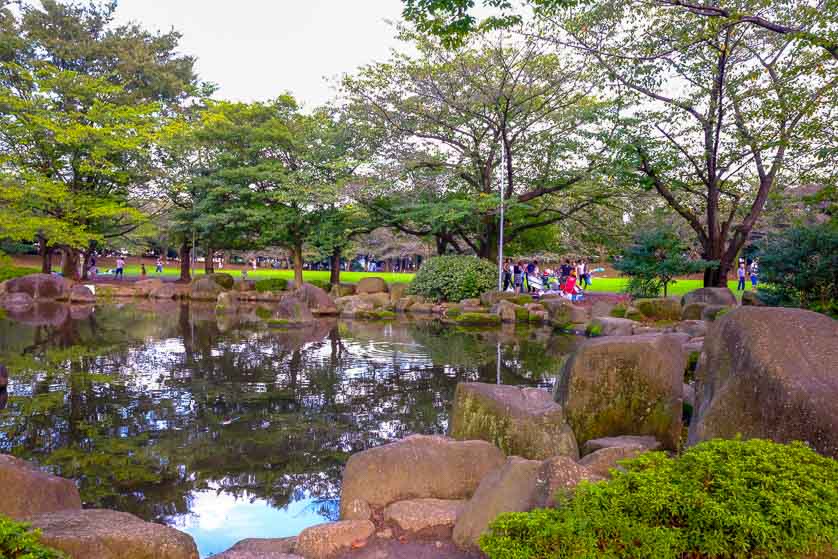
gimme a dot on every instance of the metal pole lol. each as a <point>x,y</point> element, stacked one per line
<point>500,236</point>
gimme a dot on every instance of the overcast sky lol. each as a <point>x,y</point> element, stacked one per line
<point>257,49</point>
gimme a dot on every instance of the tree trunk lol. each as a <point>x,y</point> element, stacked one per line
<point>45,252</point>
<point>185,264</point>
<point>441,245</point>
<point>88,255</point>
<point>334,276</point>
<point>298,264</point>
<point>70,263</point>
<point>489,242</point>
<point>209,265</point>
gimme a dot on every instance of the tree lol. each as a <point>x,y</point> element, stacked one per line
<point>69,57</point>
<point>811,22</point>
<point>446,117</point>
<point>655,259</point>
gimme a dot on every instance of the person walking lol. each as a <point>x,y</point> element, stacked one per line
<point>754,272</point>
<point>158,268</point>
<point>120,268</point>
<point>741,286</point>
<point>507,274</point>
<point>518,276</point>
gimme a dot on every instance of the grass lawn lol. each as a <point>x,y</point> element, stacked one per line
<point>680,287</point>
<point>263,273</point>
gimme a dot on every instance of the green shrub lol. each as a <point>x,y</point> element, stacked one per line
<point>264,313</point>
<point>271,285</point>
<point>454,278</point>
<point>17,541</point>
<point>800,267</point>
<point>619,311</point>
<point>720,499</point>
<point>593,330</point>
<point>322,284</point>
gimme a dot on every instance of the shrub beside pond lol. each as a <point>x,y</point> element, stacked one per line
<point>271,285</point>
<point>721,498</point>
<point>454,278</point>
<point>17,541</point>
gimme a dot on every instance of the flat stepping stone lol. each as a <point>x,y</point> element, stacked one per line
<point>417,515</point>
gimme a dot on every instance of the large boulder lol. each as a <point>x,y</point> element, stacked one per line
<point>236,554</point>
<point>601,462</point>
<point>40,286</point>
<point>693,311</point>
<point>425,515</point>
<point>82,294</point>
<point>261,548</point>
<point>560,475</point>
<point>226,281</point>
<point>563,312</point>
<point>291,311</point>
<point>227,301</point>
<point>517,486</point>
<point>164,291</point>
<point>693,328</point>
<point>325,540</point>
<point>611,326</point>
<point>624,384</point>
<point>523,422</point>
<point>709,295</point>
<point>769,373</point>
<point>371,285</point>
<point>660,308</point>
<point>28,491</point>
<point>491,298</point>
<point>397,291</point>
<point>417,467</point>
<point>204,288</point>
<point>752,299</point>
<point>147,286</point>
<point>623,441</point>
<point>318,300</point>
<point>353,305</point>
<point>342,290</point>
<point>710,312</point>
<point>107,534</point>
<point>509,312</point>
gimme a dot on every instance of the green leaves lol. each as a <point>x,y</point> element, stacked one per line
<point>18,541</point>
<point>454,278</point>
<point>721,498</point>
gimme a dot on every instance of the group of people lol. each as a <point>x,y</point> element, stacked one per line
<point>570,279</point>
<point>748,268</point>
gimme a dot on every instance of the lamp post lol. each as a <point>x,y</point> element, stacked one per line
<point>500,236</point>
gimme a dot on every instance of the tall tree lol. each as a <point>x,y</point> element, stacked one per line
<point>449,117</point>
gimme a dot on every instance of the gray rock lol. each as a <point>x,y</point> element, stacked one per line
<point>769,373</point>
<point>81,294</point>
<point>644,442</point>
<point>371,285</point>
<point>422,515</point>
<point>710,312</point>
<point>107,534</point>
<point>693,328</point>
<point>325,540</point>
<point>601,462</point>
<point>19,302</point>
<point>417,467</point>
<point>560,475</point>
<point>624,384</point>
<point>710,295</point>
<point>27,491</point>
<point>524,422</point>
<point>40,286</point>
<point>611,326</point>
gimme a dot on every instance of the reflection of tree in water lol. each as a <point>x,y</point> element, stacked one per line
<point>145,406</point>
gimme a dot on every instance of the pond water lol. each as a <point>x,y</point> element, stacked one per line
<point>227,429</point>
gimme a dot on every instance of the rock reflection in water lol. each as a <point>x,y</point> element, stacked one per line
<point>152,406</point>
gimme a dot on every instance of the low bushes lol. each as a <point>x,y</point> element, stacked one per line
<point>720,499</point>
<point>271,285</point>
<point>454,278</point>
<point>18,542</point>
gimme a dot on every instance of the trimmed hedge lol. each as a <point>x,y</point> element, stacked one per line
<point>720,499</point>
<point>454,278</point>
<point>17,541</point>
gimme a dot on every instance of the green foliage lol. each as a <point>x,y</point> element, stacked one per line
<point>17,541</point>
<point>720,499</point>
<point>454,278</point>
<point>593,330</point>
<point>271,285</point>
<point>619,311</point>
<point>263,313</point>
<point>8,270</point>
<point>692,364</point>
<point>322,284</point>
<point>653,261</point>
<point>800,267</point>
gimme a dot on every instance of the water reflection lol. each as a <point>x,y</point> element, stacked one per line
<point>179,416</point>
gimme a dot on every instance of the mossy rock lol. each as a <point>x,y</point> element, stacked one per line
<point>224,280</point>
<point>619,311</point>
<point>453,312</point>
<point>712,312</point>
<point>593,330</point>
<point>376,315</point>
<point>479,319</point>
<point>659,308</point>
<point>522,299</point>
<point>633,313</point>
<point>522,314</point>
<point>520,421</point>
<point>693,311</point>
<point>263,313</point>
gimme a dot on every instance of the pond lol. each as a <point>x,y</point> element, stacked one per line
<point>225,428</point>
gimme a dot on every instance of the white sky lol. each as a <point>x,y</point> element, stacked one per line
<point>258,49</point>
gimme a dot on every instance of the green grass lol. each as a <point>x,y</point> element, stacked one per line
<point>345,277</point>
<point>680,287</point>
